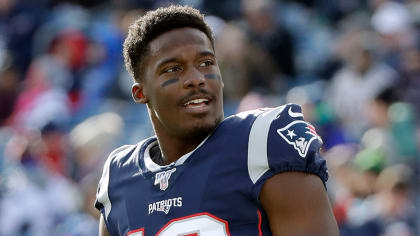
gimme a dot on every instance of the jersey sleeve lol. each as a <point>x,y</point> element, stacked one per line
<point>103,202</point>
<point>281,140</point>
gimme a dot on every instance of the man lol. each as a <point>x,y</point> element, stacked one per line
<point>256,173</point>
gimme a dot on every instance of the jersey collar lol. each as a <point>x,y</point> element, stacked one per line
<point>151,166</point>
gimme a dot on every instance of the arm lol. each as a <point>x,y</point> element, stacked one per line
<point>103,231</point>
<point>297,204</point>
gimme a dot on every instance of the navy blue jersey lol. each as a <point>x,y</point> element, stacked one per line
<point>213,190</point>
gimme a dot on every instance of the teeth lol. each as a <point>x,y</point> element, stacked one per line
<point>196,101</point>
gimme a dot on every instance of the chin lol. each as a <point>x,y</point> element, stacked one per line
<point>202,130</point>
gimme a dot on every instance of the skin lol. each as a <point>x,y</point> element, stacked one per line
<point>297,205</point>
<point>182,64</point>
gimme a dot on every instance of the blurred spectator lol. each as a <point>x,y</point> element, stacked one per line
<point>83,221</point>
<point>243,65</point>
<point>356,84</point>
<point>394,23</point>
<point>19,21</point>
<point>227,9</point>
<point>92,140</point>
<point>32,187</point>
<point>262,28</point>
<point>390,211</point>
<point>102,68</point>
<point>409,85</point>
<point>44,95</point>
<point>9,86</point>
<point>403,130</point>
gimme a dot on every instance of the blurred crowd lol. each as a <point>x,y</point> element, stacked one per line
<point>65,102</point>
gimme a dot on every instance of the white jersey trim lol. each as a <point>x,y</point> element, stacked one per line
<point>153,167</point>
<point>103,196</point>
<point>257,143</point>
<point>148,162</point>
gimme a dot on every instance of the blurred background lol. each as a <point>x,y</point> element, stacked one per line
<point>65,100</point>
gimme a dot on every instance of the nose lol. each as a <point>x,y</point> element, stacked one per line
<point>194,79</point>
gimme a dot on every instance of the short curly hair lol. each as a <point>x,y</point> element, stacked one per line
<point>153,24</point>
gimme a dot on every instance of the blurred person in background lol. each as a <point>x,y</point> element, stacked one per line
<point>91,140</point>
<point>83,221</point>
<point>263,29</point>
<point>44,98</point>
<point>356,84</point>
<point>390,210</point>
<point>393,21</point>
<point>407,89</point>
<point>245,64</point>
<point>19,22</point>
<point>394,198</point>
<point>32,186</point>
<point>9,86</point>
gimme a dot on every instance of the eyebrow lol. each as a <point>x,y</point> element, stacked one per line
<point>206,53</point>
<point>174,59</point>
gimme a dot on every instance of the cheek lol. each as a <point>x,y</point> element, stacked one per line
<point>163,102</point>
<point>218,89</point>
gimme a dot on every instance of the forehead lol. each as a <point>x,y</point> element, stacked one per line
<point>177,38</point>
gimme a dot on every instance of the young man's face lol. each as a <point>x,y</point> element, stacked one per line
<point>182,85</point>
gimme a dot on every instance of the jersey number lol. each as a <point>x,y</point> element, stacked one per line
<point>203,224</point>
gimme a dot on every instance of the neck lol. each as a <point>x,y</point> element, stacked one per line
<point>173,148</point>
<point>174,145</point>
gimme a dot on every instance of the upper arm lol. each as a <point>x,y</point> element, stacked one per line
<point>297,204</point>
<point>103,231</point>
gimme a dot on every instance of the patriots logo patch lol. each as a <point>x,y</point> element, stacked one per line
<point>300,135</point>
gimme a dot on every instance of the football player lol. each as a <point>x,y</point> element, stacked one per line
<point>254,173</point>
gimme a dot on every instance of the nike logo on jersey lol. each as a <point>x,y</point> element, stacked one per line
<point>294,114</point>
<point>162,178</point>
<point>165,205</point>
<point>300,135</point>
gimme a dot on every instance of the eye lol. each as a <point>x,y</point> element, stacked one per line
<point>172,69</point>
<point>207,63</point>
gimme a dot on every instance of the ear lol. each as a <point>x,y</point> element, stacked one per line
<point>137,91</point>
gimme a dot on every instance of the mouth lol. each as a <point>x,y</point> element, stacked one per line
<point>197,103</point>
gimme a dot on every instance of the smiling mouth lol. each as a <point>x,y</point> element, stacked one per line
<point>197,103</point>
